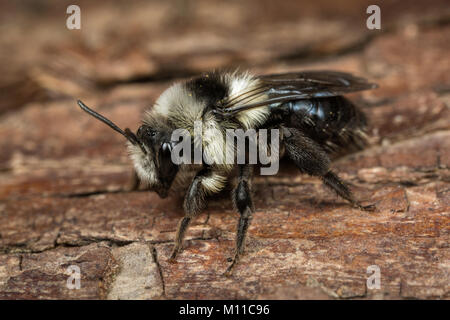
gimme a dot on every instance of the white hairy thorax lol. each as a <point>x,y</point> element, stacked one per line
<point>179,105</point>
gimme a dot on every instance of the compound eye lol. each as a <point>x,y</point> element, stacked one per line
<point>145,132</point>
<point>150,132</point>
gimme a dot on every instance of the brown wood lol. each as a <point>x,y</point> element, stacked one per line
<point>63,174</point>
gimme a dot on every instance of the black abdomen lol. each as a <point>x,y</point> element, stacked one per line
<point>334,122</point>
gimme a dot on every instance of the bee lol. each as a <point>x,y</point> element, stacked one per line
<point>315,122</point>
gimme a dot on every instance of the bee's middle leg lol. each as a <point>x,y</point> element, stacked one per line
<point>242,200</point>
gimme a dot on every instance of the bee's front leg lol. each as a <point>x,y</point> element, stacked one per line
<point>194,202</point>
<point>242,201</point>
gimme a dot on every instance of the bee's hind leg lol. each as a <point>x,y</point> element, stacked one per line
<point>243,203</point>
<point>310,158</point>
<point>331,180</point>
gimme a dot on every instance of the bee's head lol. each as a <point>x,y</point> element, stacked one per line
<point>150,149</point>
<point>152,158</point>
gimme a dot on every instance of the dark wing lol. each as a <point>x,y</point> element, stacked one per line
<point>295,86</point>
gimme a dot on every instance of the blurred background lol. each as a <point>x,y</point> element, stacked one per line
<point>53,155</point>
<point>123,42</point>
<point>127,52</point>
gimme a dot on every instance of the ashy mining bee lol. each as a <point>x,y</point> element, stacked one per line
<point>313,118</point>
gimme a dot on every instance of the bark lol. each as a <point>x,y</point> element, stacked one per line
<point>63,175</point>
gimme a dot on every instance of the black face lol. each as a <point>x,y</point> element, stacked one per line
<point>157,142</point>
<point>160,145</point>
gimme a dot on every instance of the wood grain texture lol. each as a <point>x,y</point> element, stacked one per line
<point>63,175</point>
